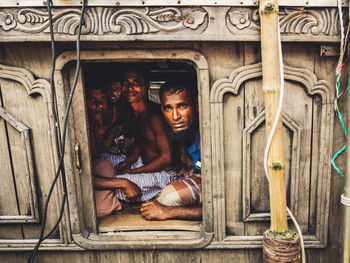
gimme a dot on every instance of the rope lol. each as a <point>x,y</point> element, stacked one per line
<point>269,140</point>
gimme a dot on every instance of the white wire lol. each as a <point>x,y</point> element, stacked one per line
<point>342,36</point>
<point>269,140</point>
<point>342,51</point>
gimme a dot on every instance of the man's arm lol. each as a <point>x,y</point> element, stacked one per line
<point>131,190</point>
<point>163,143</point>
<point>156,211</point>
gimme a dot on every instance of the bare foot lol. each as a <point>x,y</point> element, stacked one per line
<point>155,211</point>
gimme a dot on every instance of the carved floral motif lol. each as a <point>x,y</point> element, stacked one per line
<point>239,19</point>
<point>323,21</point>
<point>7,21</point>
<point>101,20</point>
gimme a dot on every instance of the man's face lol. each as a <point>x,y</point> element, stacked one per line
<point>178,109</point>
<point>133,87</point>
<point>114,91</point>
<point>97,103</point>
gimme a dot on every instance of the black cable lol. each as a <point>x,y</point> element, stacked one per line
<point>60,166</point>
<point>58,144</point>
<point>52,79</point>
<point>64,198</point>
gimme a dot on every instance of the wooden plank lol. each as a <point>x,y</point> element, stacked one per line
<point>35,57</point>
<point>255,255</point>
<point>20,172</point>
<point>232,54</point>
<point>130,219</point>
<point>233,126</point>
<point>7,187</point>
<point>257,184</point>
<point>299,107</point>
<point>324,69</point>
<point>79,133</point>
<point>253,105</point>
<point>8,200</point>
<point>226,256</point>
<point>222,58</point>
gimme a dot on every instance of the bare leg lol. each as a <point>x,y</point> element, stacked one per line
<point>156,211</point>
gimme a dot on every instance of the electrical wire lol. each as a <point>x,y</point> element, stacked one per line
<point>340,65</point>
<point>63,142</point>
<point>269,140</point>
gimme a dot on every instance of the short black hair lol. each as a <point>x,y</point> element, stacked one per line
<point>142,70</point>
<point>174,86</point>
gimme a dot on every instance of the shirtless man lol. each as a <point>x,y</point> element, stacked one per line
<point>146,165</point>
<point>147,126</point>
<point>181,198</point>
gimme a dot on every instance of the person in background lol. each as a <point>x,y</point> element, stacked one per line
<point>101,118</point>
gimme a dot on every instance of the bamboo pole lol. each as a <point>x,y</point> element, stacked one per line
<point>271,77</point>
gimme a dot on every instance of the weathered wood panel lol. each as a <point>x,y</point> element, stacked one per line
<point>234,121</point>
<point>8,200</point>
<point>221,63</point>
<point>7,187</point>
<point>80,132</point>
<point>33,112</point>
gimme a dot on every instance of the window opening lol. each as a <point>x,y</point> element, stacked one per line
<point>145,148</point>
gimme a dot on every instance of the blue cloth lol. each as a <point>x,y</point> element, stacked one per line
<point>195,151</point>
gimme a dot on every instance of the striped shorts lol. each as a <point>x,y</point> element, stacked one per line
<point>150,183</point>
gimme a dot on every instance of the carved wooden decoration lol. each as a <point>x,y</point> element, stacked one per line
<point>301,186</point>
<point>296,21</point>
<point>172,23</point>
<point>102,20</point>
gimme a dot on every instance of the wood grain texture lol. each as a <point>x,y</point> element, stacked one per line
<point>30,109</point>
<point>222,58</point>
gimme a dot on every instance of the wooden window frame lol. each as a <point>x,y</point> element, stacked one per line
<point>80,193</point>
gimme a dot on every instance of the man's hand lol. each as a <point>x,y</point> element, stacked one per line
<point>122,166</point>
<point>132,191</point>
<point>127,171</point>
